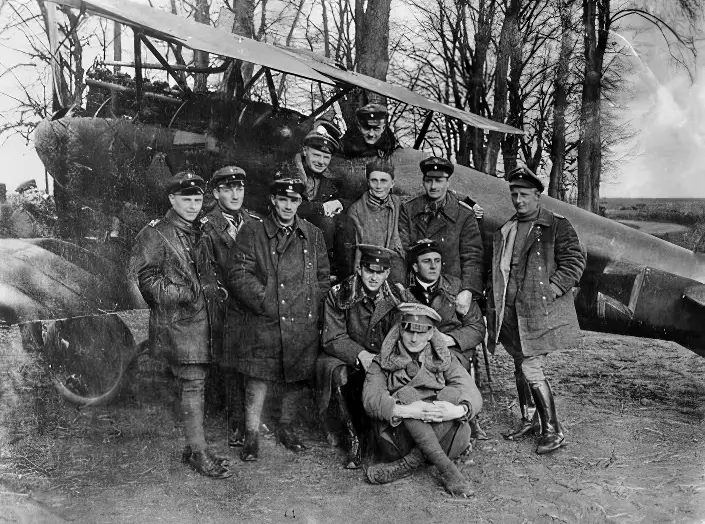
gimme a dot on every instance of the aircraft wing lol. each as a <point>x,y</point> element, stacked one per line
<point>177,29</point>
<point>402,94</point>
<point>180,30</point>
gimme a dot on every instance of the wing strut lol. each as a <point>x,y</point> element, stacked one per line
<point>423,130</point>
<point>272,89</point>
<point>182,85</point>
<point>332,100</point>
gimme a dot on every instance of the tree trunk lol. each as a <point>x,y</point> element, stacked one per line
<point>499,111</point>
<point>239,72</point>
<point>483,37</point>
<point>510,144</point>
<point>560,104</point>
<point>596,21</point>
<point>200,58</point>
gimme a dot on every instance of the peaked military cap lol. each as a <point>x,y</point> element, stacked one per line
<point>185,183</point>
<point>436,167</point>
<point>372,112</point>
<point>522,176</point>
<point>27,184</point>
<point>229,175</point>
<point>417,317</point>
<point>288,187</point>
<point>423,246</point>
<point>376,258</point>
<point>324,137</point>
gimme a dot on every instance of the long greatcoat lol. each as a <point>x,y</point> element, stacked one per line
<point>552,255</point>
<point>215,228</point>
<point>272,327</point>
<point>175,276</point>
<point>456,231</point>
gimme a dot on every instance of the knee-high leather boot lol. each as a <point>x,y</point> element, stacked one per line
<point>354,458</point>
<point>529,417</point>
<point>551,434</point>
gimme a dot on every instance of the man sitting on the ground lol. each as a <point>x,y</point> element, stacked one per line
<point>357,314</point>
<point>421,399</point>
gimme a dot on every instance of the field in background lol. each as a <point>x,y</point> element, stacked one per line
<point>688,212</point>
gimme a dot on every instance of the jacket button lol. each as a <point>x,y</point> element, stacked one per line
<point>283,302</point>
<point>283,318</point>
<point>305,251</point>
<point>282,285</point>
<point>543,298</point>
<point>539,267</point>
<point>541,283</point>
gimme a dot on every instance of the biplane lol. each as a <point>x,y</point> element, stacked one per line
<point>634,283</point>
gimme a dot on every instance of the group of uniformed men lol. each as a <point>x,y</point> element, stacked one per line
<point>394,334</point>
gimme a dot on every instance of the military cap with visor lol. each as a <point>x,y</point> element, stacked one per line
<point>423,246</point>
<point>323,137</point>
<point>186,183</point>
<point>229,175</point>
<point>417,317</point>
<point>26,185</point>
<point>376,258</point>
<point>522,176</point>
<point>436,167</point>
<point>288,187</point>
<point>372,113</point>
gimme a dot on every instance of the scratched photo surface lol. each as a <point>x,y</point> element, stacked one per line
<point>103,102</point>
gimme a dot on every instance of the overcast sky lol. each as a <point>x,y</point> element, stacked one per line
<point>666,111</point>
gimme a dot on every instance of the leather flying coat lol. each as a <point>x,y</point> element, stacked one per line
<point>174,275</point>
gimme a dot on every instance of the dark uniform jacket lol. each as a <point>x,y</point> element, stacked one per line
<point>327,188</point>
<point>173,269</point>
<point>272,325</point>
<point>455,229</point>
<point>215,227</point>
<point>440,377</point>
<point>352,322</point>
<point>467,331</point>
<point>551,254</point>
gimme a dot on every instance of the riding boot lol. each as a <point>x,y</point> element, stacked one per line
<point>354,458</point>
<point>405,466</point>
<point>551,433</point>
<point>529,416</point>
<point>426,439</point>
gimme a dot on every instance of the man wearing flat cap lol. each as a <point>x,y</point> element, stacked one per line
<point>421,399</point>
<point>357,315</point>
<point>174,271</point>
<point>536,262</point>
<point>323,204</point>
<point>30,215</point>
<point>221,226</point>
<point>438,214</point>
<point>376,216</point>
<point>372,136</point>
<point>277,277</point>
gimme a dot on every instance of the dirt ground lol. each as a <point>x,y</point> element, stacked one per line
<point>632,410</point>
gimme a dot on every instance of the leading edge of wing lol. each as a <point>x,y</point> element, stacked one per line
<point>167,26</point>
<point>402,94</point>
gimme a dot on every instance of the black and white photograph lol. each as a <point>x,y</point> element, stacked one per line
<point>352,261</point>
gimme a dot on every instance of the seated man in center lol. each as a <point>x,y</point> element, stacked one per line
<point>420,399</point>
<point>357,314</point>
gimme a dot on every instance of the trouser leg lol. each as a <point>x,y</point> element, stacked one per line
<point>255,394</point>
<point>427,440</point>
<point>291,399</point>
<point>192,379</point>
<point>235,405</point>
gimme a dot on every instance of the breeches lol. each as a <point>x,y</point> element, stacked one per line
<point>191,379</point>
<point>530,366</point>
<point>397,442</point>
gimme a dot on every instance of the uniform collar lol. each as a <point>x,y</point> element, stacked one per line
<point>450,208</point>
<point>271,225</point>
